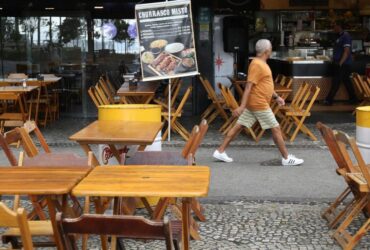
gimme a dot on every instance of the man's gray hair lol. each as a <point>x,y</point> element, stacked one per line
<point>263,45</point>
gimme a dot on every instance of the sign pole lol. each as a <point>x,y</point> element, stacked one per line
<point>169,109</point>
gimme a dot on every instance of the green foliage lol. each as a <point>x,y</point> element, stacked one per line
<point>70,30</point>
<point>122,34</point>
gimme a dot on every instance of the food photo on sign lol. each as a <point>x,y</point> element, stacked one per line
<point>166,39</point>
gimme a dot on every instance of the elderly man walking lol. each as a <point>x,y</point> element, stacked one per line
<point>255,105</point>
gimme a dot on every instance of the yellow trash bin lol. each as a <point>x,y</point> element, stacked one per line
<point>363,131</point>
<point>133,112</point>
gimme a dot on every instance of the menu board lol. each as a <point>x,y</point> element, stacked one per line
<point>166,40</point>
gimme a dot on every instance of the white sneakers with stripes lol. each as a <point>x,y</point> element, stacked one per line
<point>291,161</point>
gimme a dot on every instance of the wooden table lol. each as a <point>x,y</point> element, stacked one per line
<point>117,132</point>
<point>17,95</point>
<point>149,181</point>
<point>142,93</point>
<point>14,81</point>
<point>42,181</point>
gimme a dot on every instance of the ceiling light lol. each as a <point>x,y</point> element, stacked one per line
<point>1,8</point>
<point>98,7</point>
<point>49,8</point>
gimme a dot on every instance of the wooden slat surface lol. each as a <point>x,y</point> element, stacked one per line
<point>20,80</point>
<point>145,181</point>
<point>40,180</point>
<point>142,88</point>
<point>277,87</point>
<point>124,132</point>
<point>56,160</point>
<point>17,89</point>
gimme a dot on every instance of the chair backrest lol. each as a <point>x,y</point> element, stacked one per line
<point>18,219</point>
<point>329,137</point>
<point>203,128</point>
<point>361,84</point>
<point>4,144</point>
<point>348,144</point>
<point>288,82</point>
<point>106,89</point>
<point>109,83</point>
<point>31,127</point>
<point>17,76</point>
<point>133,227</point>
<point>101,95</point>
<point>27,143</point>
<point>93,96</point>
<point>194,132</point>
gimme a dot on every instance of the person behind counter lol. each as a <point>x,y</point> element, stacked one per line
<point>342,62</point>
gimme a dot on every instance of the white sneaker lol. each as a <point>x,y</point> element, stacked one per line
<point>291,161</point>
<point>222,156</point>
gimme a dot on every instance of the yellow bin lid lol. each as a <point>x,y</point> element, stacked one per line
<point>130,112</point>
<point>363,116</point>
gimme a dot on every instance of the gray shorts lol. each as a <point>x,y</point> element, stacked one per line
<point>266,119</point>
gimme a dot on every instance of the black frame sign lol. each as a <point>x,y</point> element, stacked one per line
<point>166,37</point>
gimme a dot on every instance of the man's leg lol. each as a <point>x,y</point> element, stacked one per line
<point>335,83</point>
<point>346,73</point>
<point>230,136</point>
<point>277,136</point>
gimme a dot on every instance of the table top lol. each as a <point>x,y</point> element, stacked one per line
<point>145,181</point>
<point>142,88</point>
<point>118,132</point>
<point>20,80</point>
<point>56,160</point>
<point>17,89</point>
<point>39,180</point>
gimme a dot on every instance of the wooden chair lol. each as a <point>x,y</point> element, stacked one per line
<point>94,97</point>
<point>297,112</point>
<point>216,107</point>
<point>363,87</point>
<point>15,117</point>
<point>106,88</point>
<point>173,157</point>
<point>102,97</point>
<point>361,180</point>
<point>19,227</point>
<point>278,78</point>
<point>232,104</point>
<point>335,213</point>
<point>175,90</point>
<point>175,114</point>
<point>43,102</point>
<point>128,227</point>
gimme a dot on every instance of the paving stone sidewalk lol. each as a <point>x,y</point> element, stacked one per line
<point>257,225</point>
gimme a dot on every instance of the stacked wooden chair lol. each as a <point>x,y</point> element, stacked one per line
<point>174,115</point>
<point>295,114</point>
<point>175,90</point>
<point>360,183</point>
<point>216,108</point>
<point>363,88</point>
<point>128,227</point>
<point>232,104</point>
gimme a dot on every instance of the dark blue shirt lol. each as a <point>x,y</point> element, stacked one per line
<point>344,40</point>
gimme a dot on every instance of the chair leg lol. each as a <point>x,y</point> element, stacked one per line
<point>342,236</point>
<point>197,209</point>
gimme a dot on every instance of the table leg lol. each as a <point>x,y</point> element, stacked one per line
<point>99,209</point>
<point>52,213</point>
<point>185,223</point>
<point>86,148</point>
<point>37,104</point>
<point>149,99</point>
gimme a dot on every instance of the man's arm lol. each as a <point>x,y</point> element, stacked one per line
<point>346,54</point>
<point>243,103</point>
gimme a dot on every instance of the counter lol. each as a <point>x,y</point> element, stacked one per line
<point>313,71</point>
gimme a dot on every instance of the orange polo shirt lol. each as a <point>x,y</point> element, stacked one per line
<point>259,73</point>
